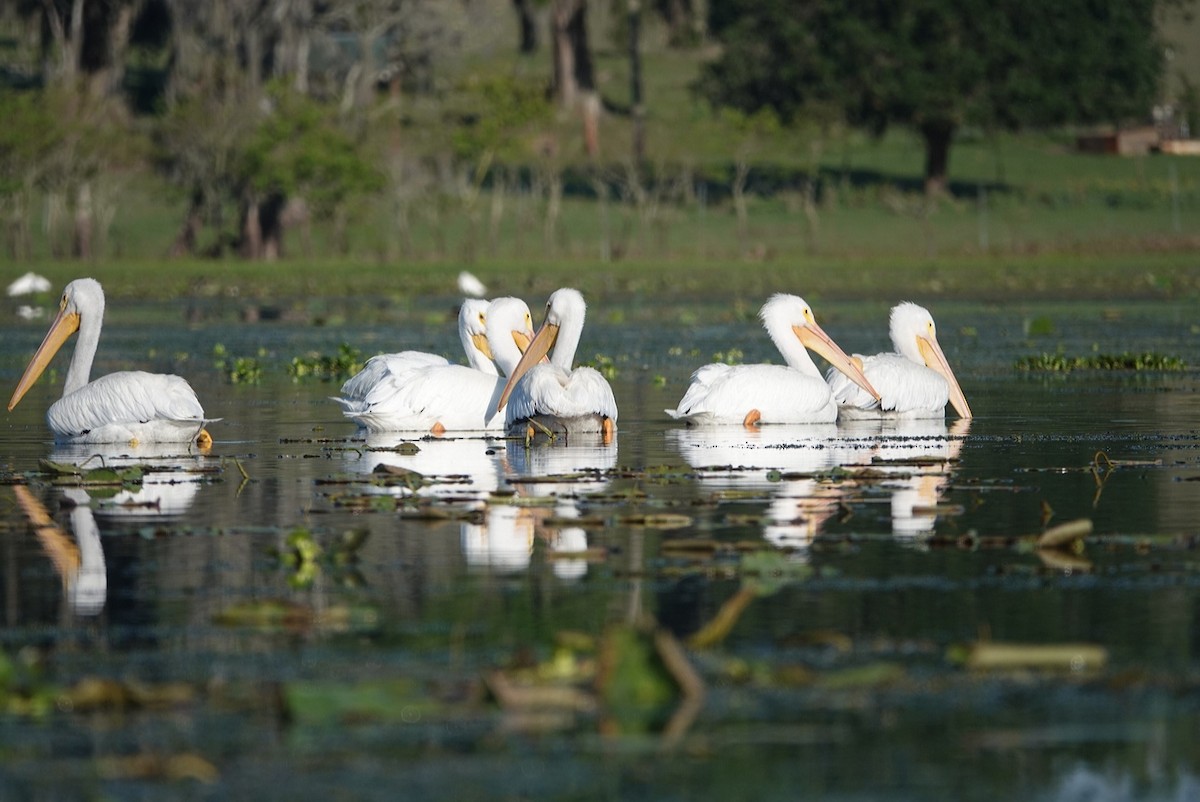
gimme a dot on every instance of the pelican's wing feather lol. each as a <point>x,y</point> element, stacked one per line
<point>455,396</point>
<point>123,398</point>
<point>698,389</point>
<point>549,390</point>
<point>381,366</point>
<point>904,386</point>
<point>722,394</point>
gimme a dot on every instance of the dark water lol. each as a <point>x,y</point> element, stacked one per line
<point>854,566</point>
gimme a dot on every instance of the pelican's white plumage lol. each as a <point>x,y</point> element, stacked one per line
<point>914,382</point>
<point>441,397</point>
<point>470,286</point>
<point>28,284</point>
<point>752,394</point>
<point>124,407</point>
<point>560,398</point>
<point>383,368</point>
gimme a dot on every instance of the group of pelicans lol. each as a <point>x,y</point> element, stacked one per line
<point>520,382</point>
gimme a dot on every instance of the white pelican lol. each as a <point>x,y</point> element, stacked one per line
<point>130,406</point>
<point>470,286</point>
<point>754,394</point>
<point>472,331</point>
<point>553,396</point>
<point>914,382</point>
<point>443,397</point>
<point>28,284</point>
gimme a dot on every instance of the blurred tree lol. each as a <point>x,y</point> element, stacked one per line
<point>574,74</point>
<point>527,25</point>
<point>29,135</point>
<point>573,71</point>
<point>633,10</point>
<point>684,25</point>
<point>83,46</point>
<point>936,65</point>
<point>297,151</point>
<point>288,149</point>
<point>196,145</point>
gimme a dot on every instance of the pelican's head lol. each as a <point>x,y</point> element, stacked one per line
<point>914,334</point>
<point>565,312</point>
<point>509,331</point>
<point>82,300</point>
<point>784,313</point>
<point>472,325</point>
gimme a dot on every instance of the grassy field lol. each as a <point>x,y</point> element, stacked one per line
<point>826,210</point>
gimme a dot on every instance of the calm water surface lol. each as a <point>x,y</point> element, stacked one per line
<point>852,565</point>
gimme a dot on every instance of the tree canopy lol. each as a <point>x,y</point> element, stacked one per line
<point>937,65</point>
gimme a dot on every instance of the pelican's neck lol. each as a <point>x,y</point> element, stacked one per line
<point>906,321</point>
<point>504,349</point>
<point>80,370</point>
<point>476,358</point>
<point>794,353</point>
<point>468,313</point>
<point>569,331</point>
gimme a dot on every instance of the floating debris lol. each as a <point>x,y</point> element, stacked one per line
<point>1076,657</point>
<point>1065,535</point>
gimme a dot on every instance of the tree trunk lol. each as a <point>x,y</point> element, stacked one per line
<point>113,75</point>
<point>68,39</point>
<point>81,242</point>
<point>565,90</point>
<point>938,136</point>
<point>573,71</point>
<point>635,82</point>
<point>681,22</point>
<point>270,217</point>
<point>528,26</point>
<point>251,244</point>
<point>189,232</point>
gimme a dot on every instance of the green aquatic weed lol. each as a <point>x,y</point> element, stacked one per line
<point>1060,363</point>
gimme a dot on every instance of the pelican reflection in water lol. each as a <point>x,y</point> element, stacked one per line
<point>779,461</point>
<point>917,457</point>
<point>167,488</point>
<point>506,540</point>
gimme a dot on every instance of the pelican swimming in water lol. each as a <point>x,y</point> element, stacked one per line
<point>914,382</point>
<point>130,406</point>
<point>552,396</point>
<point>791,393</point>
<point>444,397</point>
<point>384,368</point>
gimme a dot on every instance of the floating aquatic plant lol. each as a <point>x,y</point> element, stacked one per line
<point>342,365</point>
<point>1060,363</point>
<point>240,370</point>
<point>304,557</point>
<point>605,364</point>
<point>732,356</point>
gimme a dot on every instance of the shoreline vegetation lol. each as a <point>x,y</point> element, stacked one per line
<point>1132,276</point>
